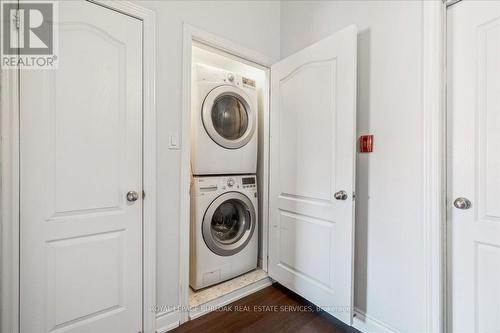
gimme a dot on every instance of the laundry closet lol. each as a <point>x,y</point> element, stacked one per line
<point>270,172</point>
<point>227,166</point>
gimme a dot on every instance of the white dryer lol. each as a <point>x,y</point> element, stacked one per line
<point>224,122</point>
<point>224,237</point>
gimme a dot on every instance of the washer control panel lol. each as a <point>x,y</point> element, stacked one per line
<point>208,185</point>
<point>238,182</point>
<point>249,182</point>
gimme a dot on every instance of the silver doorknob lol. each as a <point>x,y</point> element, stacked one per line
<point>340,195</point>
<point>462,203</point>
<point>132,196</point>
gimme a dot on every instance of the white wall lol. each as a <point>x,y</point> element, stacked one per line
<point>389,266</point>
<point>254,25</point>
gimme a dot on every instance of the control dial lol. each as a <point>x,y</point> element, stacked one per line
<point>230,182</point>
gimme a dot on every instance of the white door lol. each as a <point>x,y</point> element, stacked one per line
<point>474,165</point>
<point>80,153</point>
<point>312,155</point>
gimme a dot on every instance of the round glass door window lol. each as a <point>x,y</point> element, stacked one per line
<point>229,117</point>
<point>229,223</point>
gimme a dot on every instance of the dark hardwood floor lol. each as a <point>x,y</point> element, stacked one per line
<point>271,310</point>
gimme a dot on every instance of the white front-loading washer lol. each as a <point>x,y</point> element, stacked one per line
<point>224,236</point>
<point>224,122</point>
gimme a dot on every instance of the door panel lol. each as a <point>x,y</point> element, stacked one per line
<point>312,158</point>
<point>89,129</point>
<point>80,152</point>
<point>474,164</point>
<point>296,232</point>
<point>299,149</point>
<point>70,262</point>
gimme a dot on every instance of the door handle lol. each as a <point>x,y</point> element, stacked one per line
<point>340,195</point>
<point>462,203</point>
<point>132,196</point>
<point>249,219</point>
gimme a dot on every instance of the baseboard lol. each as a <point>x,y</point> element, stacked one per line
<point>229,298</point>
<point>364,323</point>
<point>168,321</point>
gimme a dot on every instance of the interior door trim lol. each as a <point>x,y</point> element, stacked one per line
<point>9,113</point>
<point>433,87</point>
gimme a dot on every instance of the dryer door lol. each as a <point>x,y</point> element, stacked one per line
<point>229,223</point>
<point>229,117</point>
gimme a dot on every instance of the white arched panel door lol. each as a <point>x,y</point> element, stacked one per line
<point>80,153</point>
<point>313,115</point>
<point>474,165</point>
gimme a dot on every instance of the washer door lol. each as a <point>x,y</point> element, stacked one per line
<point>228,117</point>
<point>229,223</point>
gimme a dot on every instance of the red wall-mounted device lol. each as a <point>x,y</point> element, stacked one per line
<point>366,144</point>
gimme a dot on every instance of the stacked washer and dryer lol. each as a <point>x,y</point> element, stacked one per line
<point>224,237</point>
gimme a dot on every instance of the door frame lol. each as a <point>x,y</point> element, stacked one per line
<point>191,35</point>
<point>9,175</point>
<point>434,161</point>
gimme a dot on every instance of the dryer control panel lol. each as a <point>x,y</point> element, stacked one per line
<point>217,75</point>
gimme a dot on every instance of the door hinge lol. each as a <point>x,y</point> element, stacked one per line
<point>449,3</point>
<point>143,195</point>
<point>17,19</point>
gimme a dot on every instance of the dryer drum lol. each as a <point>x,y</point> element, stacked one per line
<point>229,222</point>
<point>228,117</point>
